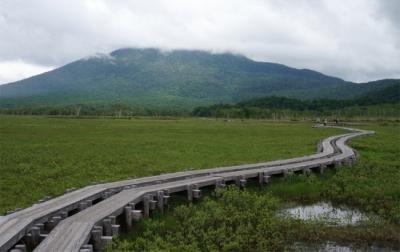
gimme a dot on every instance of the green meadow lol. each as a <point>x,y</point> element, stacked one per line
<point>42,156</point>
<point>249,220</point>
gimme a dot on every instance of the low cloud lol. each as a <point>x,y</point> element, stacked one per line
<point>16,70</point>
<point>357,40</point>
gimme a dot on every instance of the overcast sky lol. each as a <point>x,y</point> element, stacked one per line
<point>357,40</point>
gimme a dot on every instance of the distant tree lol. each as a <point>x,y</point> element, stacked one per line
<point>119,108</point>
<point>78,108</point>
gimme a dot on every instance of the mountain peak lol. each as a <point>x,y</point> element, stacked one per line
<point>171,52</point>
<point>100,56</point>
<point>149,77</point>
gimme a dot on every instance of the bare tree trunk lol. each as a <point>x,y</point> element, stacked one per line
<point>78,110</point>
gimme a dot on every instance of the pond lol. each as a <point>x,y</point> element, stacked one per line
<point>324,211</point>
<point>331,246</point>
<point>333,216</point>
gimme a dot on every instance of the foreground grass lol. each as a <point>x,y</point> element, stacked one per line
<point>45,156</point>
<point>247,220</point>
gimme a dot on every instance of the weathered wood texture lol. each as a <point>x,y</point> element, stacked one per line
<point>73,232</point>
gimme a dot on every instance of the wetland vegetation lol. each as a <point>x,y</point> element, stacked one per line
<point>251,220</point>
<point>44,156</point>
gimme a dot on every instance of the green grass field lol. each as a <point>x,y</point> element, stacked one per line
<point>45,156</point>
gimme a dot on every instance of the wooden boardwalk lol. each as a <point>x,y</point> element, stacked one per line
<point>86,219</point>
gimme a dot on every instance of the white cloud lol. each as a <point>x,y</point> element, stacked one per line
<point>357,40</point>
<point>15,70</point>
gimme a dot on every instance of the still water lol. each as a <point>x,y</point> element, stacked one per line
<point>331,215</point>
<point>331,247</point>
<point>326,212</point>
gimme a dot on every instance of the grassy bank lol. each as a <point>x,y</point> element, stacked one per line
<point>45,156</point>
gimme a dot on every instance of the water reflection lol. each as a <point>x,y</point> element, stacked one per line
<point>327,213</point>
<point>331,246</point>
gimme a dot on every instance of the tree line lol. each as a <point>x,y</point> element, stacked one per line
<point>117,110</point>
<point>382,103</point>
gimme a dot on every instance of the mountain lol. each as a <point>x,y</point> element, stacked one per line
<point>390,94</point>
<point>383,102</point>
<point>387,95</point>
<point>154,78</point>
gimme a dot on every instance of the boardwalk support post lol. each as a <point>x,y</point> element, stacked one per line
<point>96,239</point>
<point>321,168</point>
<point>114,226</point>
<point>287,173</point>
<point>261,178</point>
<point>33,237</point>
<point>21,247</point>
<point>51,223</point>
<point>241,181</point>
<point>40,226</point>
<point>115,229</point>
<point>112,219</point>
<point>105,240</point>
<point>136,215</point>
<point>220,183</point>
<point>160,201</point>
<point>128,216</point>
<point>107,227</point>
<point>86,248</point>
<point>196,192</point>
<point>153,203</point>
<point>307,171</point>
<point>166,197</point>
<point>189,193</point>
<point>146,206</point>
<point>132,205</point>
